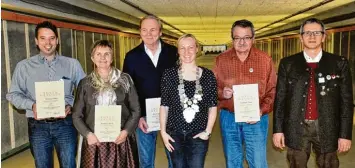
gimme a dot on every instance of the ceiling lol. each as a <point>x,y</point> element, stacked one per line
<point>210,20</point>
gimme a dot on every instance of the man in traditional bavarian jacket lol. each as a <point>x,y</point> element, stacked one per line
<point>314,102</point>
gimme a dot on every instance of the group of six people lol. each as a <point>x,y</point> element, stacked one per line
<point>311,99</point>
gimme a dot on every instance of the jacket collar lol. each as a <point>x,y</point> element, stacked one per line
<point>322,64</point>
<point>162,55</point>
<point>141,46</point>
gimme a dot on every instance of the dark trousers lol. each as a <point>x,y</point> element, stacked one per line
<point>310,138</point>
<point>188,152</point>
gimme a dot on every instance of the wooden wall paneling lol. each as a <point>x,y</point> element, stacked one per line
<point>122,50</point>
<point>66,42</point>
<point>73,38</point>
<point>97,36</point>
<point>88,43</point>
<point>17,52</point>
<point>31,40</point>
<point>111,39</point>
<point>5,120</point>
<point>80,48</point>
<point>336,43</point>
<point>344,45</point>
<point>117,51</point>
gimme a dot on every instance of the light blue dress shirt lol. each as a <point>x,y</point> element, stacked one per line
<point>37,69</point>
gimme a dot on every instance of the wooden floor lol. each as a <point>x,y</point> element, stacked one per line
<point>215,157</point>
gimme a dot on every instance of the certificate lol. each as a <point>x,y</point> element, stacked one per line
<point>107,122</point>
<point>50,99</point>
<point>246,102</point>
<point>152,111</point>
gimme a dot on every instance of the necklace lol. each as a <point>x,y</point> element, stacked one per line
<point>189,105</point>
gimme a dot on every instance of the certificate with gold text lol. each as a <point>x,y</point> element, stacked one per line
<point>107,122</point>
<point>50,99</point>
<point>246,102</point>
<point>152,110</point>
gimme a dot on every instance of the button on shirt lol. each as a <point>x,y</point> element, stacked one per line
<point>37,69</point>
<point>257,68</point>
<point>154,57</point>
<point>312,109</point>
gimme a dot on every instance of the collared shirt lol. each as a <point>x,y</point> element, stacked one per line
<point>154,57</point>
<point>257,68</point>
<point>312,60</point>
<point>37,69</point>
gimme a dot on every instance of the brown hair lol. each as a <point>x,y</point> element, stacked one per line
<point>101,43</point>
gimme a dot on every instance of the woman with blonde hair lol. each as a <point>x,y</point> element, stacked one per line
<point>188,107</point>
<point>106,85</point>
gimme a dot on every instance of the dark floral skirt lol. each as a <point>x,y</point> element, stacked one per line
<point>110,155</point>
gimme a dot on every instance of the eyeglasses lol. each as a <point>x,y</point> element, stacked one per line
<point>245,39</point>
<point>314,33</point>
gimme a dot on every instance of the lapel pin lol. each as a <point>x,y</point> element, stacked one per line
<point>322,92</point>
<point>320,75</point>
<point>251,70</point>
<point>328,77</point>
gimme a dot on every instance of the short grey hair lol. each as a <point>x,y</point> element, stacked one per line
<point>160,23</point>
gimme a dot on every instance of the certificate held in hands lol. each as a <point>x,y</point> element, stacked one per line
<point>152,109</point>
<point>246,102</point>
<point>107,122</point>
<point>50,99</point>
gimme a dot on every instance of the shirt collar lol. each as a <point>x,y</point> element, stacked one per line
<point>158,49</point>
<point>249,57</point>
<point>43,60</point>
<point>313,60</point>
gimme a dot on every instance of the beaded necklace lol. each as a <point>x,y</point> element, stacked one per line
<point>190,105</point>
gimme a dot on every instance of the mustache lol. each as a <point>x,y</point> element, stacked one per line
<point>242,45</point>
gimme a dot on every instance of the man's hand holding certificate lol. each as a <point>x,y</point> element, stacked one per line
<point>246,103</point>
<point>152,109</point>
<point>49,99</point>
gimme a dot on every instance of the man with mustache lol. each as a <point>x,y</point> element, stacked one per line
<point>48,65</point>
<point>314,102</point>
<point>244,64</point>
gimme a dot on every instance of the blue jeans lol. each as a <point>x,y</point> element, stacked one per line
<point>253,136</point>
<point>188,152</point>
<point>43,136</point>
<point>146,149</point>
